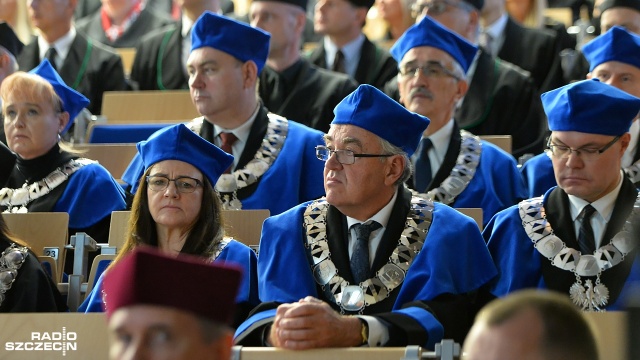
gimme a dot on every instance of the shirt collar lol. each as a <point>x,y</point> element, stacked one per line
<point>382,216</point>
<point>441,139</point>
<point>186,26</point>
<point>351,51</point>
<point>497,28</point>
<point>604,205</point>
<point>62,45</point>
<point>242,131</point>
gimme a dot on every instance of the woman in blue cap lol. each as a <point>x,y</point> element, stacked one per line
<point>47,177</point>
<point>177,210</point>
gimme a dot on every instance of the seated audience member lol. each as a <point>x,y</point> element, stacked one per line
<point>531,13</point>
<point>498,93</point>
<point>290,85</point>
<point>85,65</point>
<point>38,108</point>
<point>121,24</point>
<point>397,14</point>
<point>26,287</point>
<point>161,307</point>
<point>274,166</point>
<point>415,282</point>
<point>613,59</point>
<point>177,210</point>
<point>580,238</point>
<point>10,47</point>
<point>161,57</point>
<point>345,48</point>
<point>530,324</point>
<point>451,166</point>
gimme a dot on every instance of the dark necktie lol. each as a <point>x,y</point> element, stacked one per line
<point>338,63</point>
<point>422,174</point>
<point>360,256</point>
<point>51,56</point>
<point>586,239</point>
<point>227,143</point>
<point>486,40</point>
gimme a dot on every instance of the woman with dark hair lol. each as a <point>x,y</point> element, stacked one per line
<point>24,285</point>
<point>177,210</point>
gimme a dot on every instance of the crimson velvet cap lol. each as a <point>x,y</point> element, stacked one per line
<point>188,283</point>
<point>592,107</point>
<point>177,142</point>
<point>429,32</point>
<point>9,40</point>
<point>372,110</point>
<point>72,101</point>
<point>233,37</point>
<point>617,44</point>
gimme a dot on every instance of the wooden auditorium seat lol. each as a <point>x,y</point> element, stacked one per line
<point>148,106</point>
<point>501,141</point>
<point>114,157</point>
<point>474,213</point>
<point>127,55</point>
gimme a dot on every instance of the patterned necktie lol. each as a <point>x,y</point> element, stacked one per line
<point>586,239</point>
<point>360,258</point>
<point>227,145</point>
<point>51,56</point>
<point>338,63</point>
<point>422,176</point>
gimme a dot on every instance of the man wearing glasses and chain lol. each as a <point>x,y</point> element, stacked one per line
<point>369,265</point>
<point>613,59</point>
<point>579,238</point>
<point>451,166</point>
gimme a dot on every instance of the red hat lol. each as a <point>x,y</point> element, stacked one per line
<point>186,282</point>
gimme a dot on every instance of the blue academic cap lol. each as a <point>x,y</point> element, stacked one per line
<point>429,32</point>
<point>370,109</point>
<point>72,101</point>
<point>233,37</point>
<point>617,44</point>
<point>9,40</point>
<point>590,106</point>
<point>177,142</point>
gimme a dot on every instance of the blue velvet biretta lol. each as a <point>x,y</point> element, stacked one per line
<point>617,44</point>
<point>146,276</point>
<point>177,142</point>
<point>590,106</point>
<point>9,40</point>
<point>372,110</point>
<point>233,37</point>
<point>72,101</point>
<point>429,32</point>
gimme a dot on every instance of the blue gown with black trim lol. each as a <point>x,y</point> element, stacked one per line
<point>521,266</point>
<point>294,177</point>
<point>453,260</point>
<point>233,253</point>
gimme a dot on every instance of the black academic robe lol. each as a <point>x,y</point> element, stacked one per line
<point>158,62</point>
<point>33,290</point>
<point>147,21</point>
<point>536,51</point>
<point>90,68</point>
<point>313,96</point>
<point>376,66</point>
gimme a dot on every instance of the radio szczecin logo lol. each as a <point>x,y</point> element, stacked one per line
<point>46,341</point>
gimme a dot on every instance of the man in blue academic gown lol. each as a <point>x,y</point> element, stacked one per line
<point>451,165</point>
<point>274,165</point>
<point>613,59</point>
<point>580,238</point>
<point>427,260</point>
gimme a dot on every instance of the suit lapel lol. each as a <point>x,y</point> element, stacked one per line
<point>394,229</point>
<point>449,161</point>
<point>319,56</point>
<point>476,103</point>
<point>338,240</point>
<point>366,63</point>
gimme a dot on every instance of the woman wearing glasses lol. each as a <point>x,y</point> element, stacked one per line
<point>177,210</point>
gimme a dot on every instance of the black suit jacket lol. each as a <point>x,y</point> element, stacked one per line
<point>313,97</point>
<point>502,100</point>
<point>559,216</point>
<point>158,62</point>
<point>376,66</point>
<point>534,50</point>
<point>90,68</point>
<point>147,21</point>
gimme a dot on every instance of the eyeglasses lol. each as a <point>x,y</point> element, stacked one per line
<point>431,69</point>
<point>344,157</point>
<point>586,154</point>
<point>438,7</point>
<point>184,184</point>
